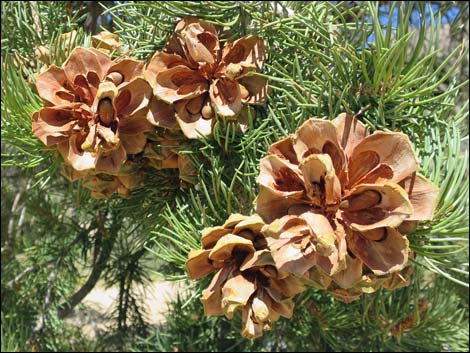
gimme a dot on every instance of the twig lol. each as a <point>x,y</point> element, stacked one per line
<point>29,269</point>
<point>10,237</point>
<point>32,268</point>
<point>40,321</point>
<point>66,308</point>
<point>362,110</point>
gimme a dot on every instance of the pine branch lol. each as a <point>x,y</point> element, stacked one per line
<point>27,271</point>
<point>103,244</point>
<point>41,320</point>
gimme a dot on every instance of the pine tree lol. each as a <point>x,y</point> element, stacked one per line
<point>378,61</point>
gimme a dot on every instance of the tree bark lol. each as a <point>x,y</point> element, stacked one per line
<point>106,245</point>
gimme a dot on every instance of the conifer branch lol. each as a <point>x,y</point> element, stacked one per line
<point>103,245</point>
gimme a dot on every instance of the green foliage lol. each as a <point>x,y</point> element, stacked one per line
<point>26,26</point>
<point>324,58</point>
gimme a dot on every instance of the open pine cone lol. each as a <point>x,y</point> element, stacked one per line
<point>245,278</point>
<point>96,110</point>
<point>350,185</point>
<point>197,75</point>
<point>103,186</point>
